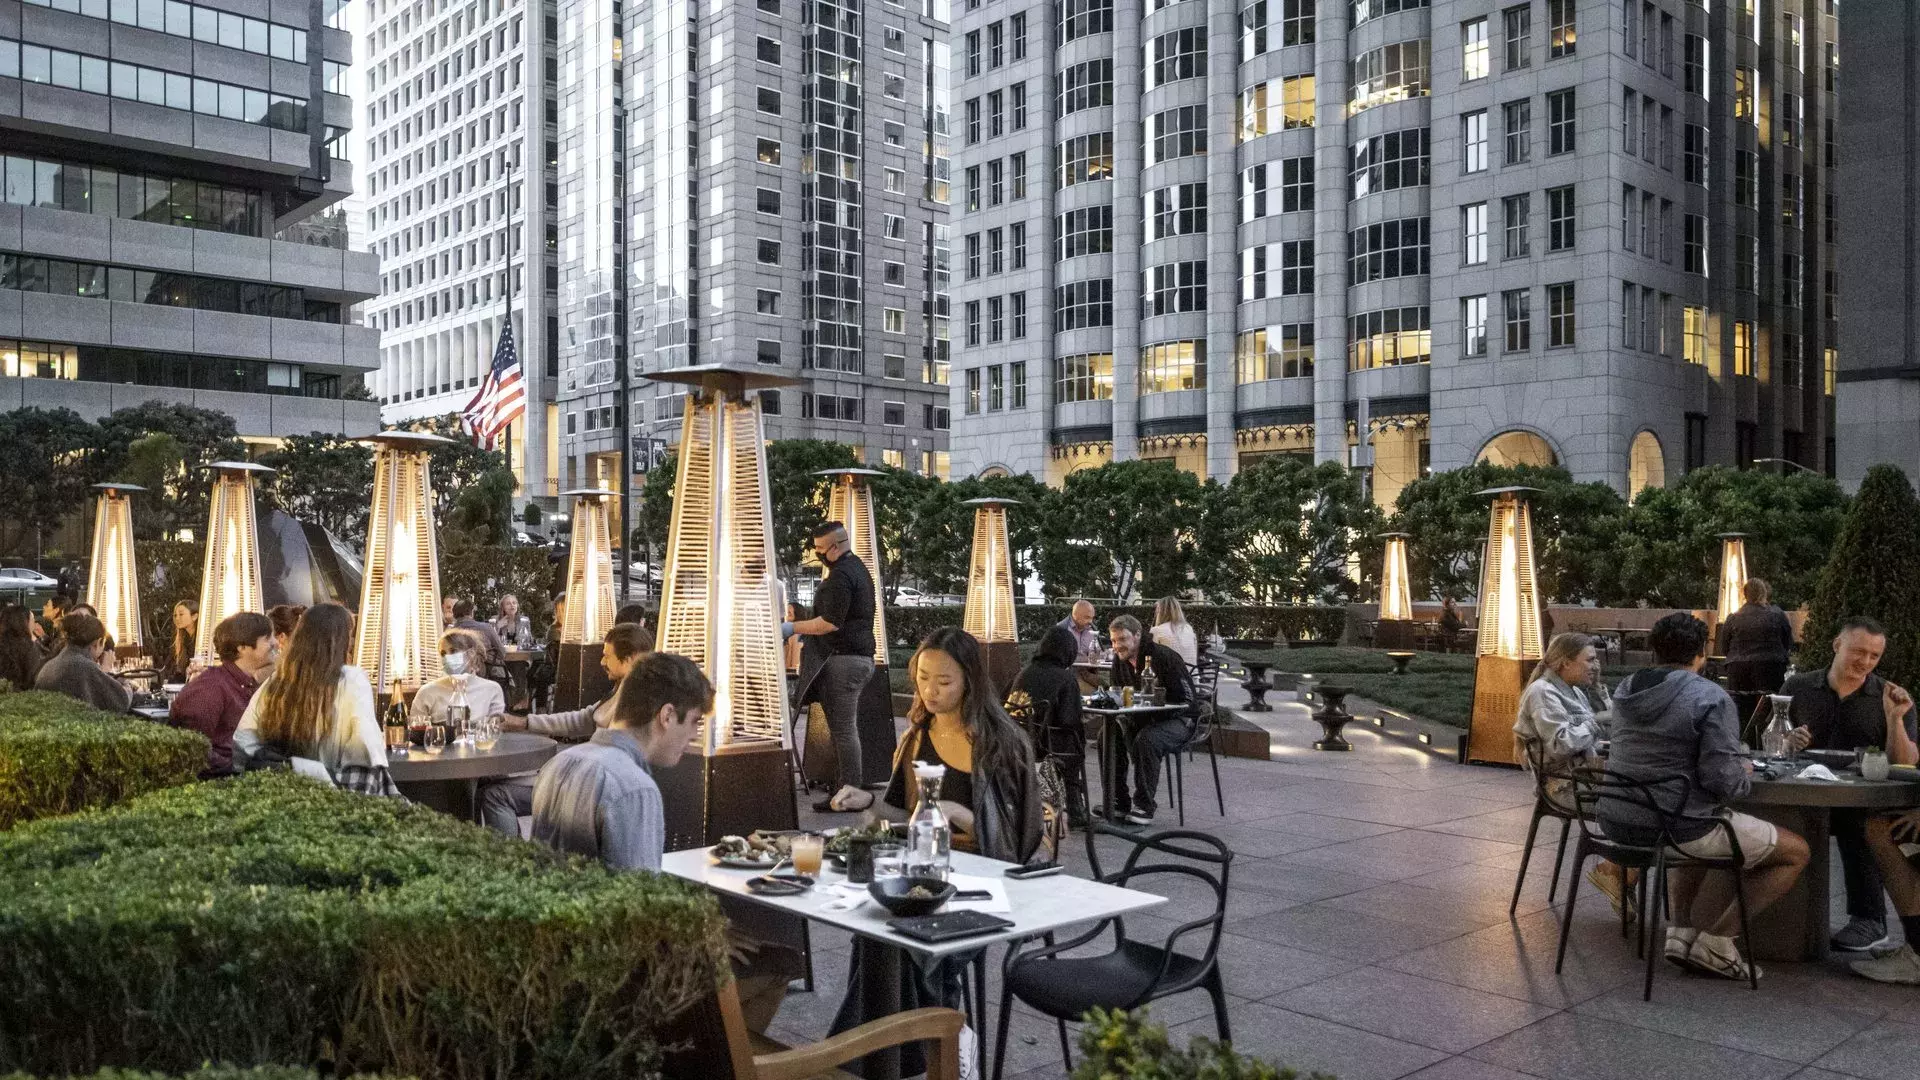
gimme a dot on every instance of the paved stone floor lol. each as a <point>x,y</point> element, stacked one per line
<point>1368,937</point>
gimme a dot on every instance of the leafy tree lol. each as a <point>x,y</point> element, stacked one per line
<point>1668,551</point>
<point>1144,515</point>
<point>202,436</point>
<point>530,515</point>
<point>1283,530</point>
<point>45,469</point>
<point>482,513</point>
<point>655,513</point>
<point>900,503</point>
<point>799,498</point>
<point>1874,571</point>
<point>456,464</point>
<point>1574,527</point>
<point>322,479</point>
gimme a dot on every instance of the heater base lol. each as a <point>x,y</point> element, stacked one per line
<point>578,679</point>
<point>877,738</point>
<point>731,793</point>
<point>1497,683</point>
<point>1393,634</point>
<point>1002,659</point>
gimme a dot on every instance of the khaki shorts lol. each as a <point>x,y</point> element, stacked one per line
<point>1757,839</point>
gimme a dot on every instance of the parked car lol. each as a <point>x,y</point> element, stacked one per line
<point>20,577</point>
<point>905,597</point>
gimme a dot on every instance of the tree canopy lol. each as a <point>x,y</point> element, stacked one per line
<point>1446,522</point>
<point>1282,530</point>
<point>1668,548</point>
<point>1874,571</point>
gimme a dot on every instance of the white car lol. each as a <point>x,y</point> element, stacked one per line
<point>905,597</point>
<point>19,577</point>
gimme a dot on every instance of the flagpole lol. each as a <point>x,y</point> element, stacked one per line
<point>506,430</point>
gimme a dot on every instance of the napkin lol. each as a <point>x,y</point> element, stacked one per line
<point>848,896</point>
<point>1817,772</point>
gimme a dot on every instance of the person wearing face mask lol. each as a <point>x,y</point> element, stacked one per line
<point>458,652</point>
<point>214,703</point>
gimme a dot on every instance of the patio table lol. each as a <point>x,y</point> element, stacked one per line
<point>449,781</point>
<point>1112,720</point>
<point>1038,906</point>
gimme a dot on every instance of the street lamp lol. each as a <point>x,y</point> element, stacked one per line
<point>1395,628</point>
<point>1733,575</point>
<point>230,576</point>
<point>579,680</point>
<point>989,612</point>
<point>719,608</point>
<point>1509,642</point>
<point>398,645</point>
<point>113,581</point>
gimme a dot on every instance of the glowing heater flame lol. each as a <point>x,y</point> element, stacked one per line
<point>230,576</point>
<point>113,581</point>
<point>850,502</point>
<point>989,613</point>
<point>1509,594</point>
<point>1733,574</point>
<point>1396,595</point>
<point>590,605</point>
<point>399,624</point>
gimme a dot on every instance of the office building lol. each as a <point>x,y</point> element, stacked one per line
<point>461,141</point>
<point>164,163</point>
<point>784,173</point>
<point>1397,234</point>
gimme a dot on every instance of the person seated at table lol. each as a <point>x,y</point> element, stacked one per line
<point>504,801</point>
<point>514,628</point>
<point>284,617</point>
<point>1670,724</point>
<point>318,710</point>
<point>109,655</point>
<point>990,794</point>
<point>1146,744</point>
<point>1886,836</point>
<point>1558,728</point>
<point>1849,706</point>
<point>458,649</point>
<point>632,613</point>
<point>1170,628</point>
<point>1757,641</point>
<point>492,661</point>
<point>47,626</point>
<point>1045,699</point>
<point>186,633</point>
<point>20,657</point>
<point>76,672</point>
<point>1450,624</point>
<point>1086,640</point>
<point>213,703</point>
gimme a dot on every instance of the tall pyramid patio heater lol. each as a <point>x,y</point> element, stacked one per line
<point>113,581</point>
<point>989,613</point>
<point>579,680</point>
<point>720,608</point>
<point>1395,628</point>
<point>850,502</point>
<point>230,576</point>
<point>1733,576</point>
<point>1509,642</point>
<point>399,624</point>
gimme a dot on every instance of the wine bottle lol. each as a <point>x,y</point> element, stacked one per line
<point>395,718</point>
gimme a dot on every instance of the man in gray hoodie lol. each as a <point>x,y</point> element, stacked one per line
<point>1670,723</point>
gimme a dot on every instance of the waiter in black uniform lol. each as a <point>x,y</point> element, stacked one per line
<point>842,626</point>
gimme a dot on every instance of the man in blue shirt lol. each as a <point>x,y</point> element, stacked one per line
<point>599,798</point>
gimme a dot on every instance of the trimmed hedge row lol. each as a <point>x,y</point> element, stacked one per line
<point>58,756</point>
<point>271,920</point>
<point>208,1072</point>
<point>907,625</point>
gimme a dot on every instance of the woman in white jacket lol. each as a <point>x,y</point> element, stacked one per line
<point>1170,628</point>
<point>1557,725</point>
<point>319,707</point>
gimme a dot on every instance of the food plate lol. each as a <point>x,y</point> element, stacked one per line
<point>737,862</point>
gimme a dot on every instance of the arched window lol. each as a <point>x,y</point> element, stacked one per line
<point>1518,448</point>
<point>1646,464</point>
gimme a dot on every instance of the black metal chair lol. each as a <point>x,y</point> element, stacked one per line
<point>1206,689</point>
<point>1134,973</point>
<point>1543,807</point>
<point>1653,860</point>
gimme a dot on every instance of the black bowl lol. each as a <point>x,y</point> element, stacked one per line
<point>892,895</point>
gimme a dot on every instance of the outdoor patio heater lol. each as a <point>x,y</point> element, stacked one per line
<point>579,680</point>
<point>399,623</point>
<point>720,608</point>
<point>230,576</point>
<point>1733,576</point>
<point>1395,628</point>
<point>1509,643</point>
<point>989,613</point>
<point>850,502</point>
<point>113,580</point>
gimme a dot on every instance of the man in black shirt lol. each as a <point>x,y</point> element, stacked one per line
<point>1847,707</point>
<point>1147,744</point>
<point>843,621</point>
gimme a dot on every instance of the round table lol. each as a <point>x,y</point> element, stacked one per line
<point>1796,928</point>
<point>449,781</point>
<point>1112,719</point>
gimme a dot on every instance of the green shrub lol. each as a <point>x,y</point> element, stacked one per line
<point>271,920</point>
<point>206,1072</point>
<point>1117,1045</point>
<point>487,573</point>
<point>907,625</point>
<point>58,756</point>
<point>1874,571</point>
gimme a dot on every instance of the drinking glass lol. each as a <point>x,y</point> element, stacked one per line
<point>436,736</point>
<point>889,860</point>
<point>486,731</point>
<point>806,854</point>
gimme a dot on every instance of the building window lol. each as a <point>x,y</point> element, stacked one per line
<point>1474,56</point>
<point>767,201</point>
<point>1018,96</point>
<point>972,320</point>
<point>1560,315</point>
<point>1017,243</point>
<point>1017,385</point>
<point>1746,263</point>
<point>1295,194</point>
<point>1473,141</point>
<point>1177,133</point>
<point>1018,302</point>
<point>1017,30</point>
<point>1181,54</point>
<point>1792,201</point>
<point>1560,122</point>
<point>996,183</point>
<point>1081,304</point>
<point>996,388</point>
<point>1291,24</point>
<point>1290,264</point>
<point>1388,249</point>
<point>1280,105</point>
<point>894,320</point>
<point>1173,365</point>
<point>972,109</point>
<point>1517,116</point>
<point>1017,174</point>
<point>1694,65</point>
<point>1083,377</point>
<point>1561,28</point>
<point>1473,326</point>
<point>1694,157</point>
<point>1517,304</point>
<point>1744,83</point>
<point>1829,370</point>
<point>1389,338</point>
<point>1390,73</point>
<point>1385,162</point>
<point>896,366</point>
<point>1083,86</point>
<point>972,246</point>
<point>1746,178</point>
<point>1792,374</point>
<point>996,319</point>
<point>768,352</point>
<point>1175,287</point>
<point>1079,18</point>
<point>973,391</point>
<point>768,100</point>
<point>1473,234</point>
<point>1174,211</point>
<point>767,50</point>
<point>1693,335</point>
<point>1694,247</point>
<point>769,252</point>
<point>1790,284</point>
<point>1086,231</point>
<point>996,44</point>
<point>1560,234</point>
<point>767,301</point>
<point>1274,352</point>
<point>1515,213</point>
<point>1517,27</point>
<point>1742,347</point>
<point>1793,120</point>
<point>1085,158</point>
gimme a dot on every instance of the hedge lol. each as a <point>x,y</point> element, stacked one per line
<point>58,756</point>
<point>207,1072</point>
<point>907,625</point>
<point>487,573</point>
<point>1116,1045</point>
<point>271,920</point>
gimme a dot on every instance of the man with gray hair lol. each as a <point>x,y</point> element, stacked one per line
<point>843,608</point>
<point>1086,639</point>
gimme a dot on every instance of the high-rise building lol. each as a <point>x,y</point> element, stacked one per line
<point>1397,234</point>
<point>784,173</point>
<point>461,137</point>
<point>1878,403</point>
<point>163,166</point>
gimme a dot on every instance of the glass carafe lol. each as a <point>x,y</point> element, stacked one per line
<point>459,714</point>
<point>1774,739</point>
<point>929,837</point>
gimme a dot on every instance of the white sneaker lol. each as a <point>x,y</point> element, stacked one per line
<point>849,799</point>
<point>1680,941</point>
<point>1716,955</point>
<point>1901,965</point>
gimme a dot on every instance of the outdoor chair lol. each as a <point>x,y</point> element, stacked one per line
<point>1543,807</point>
<point>1591,789</point>
<point>1206,690</point>
<point>1134,973</point>
<point>756,1057</point>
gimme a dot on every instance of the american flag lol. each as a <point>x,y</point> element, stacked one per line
<point>503,396</point>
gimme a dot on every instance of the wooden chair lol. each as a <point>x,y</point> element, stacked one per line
<point>756,1057</point>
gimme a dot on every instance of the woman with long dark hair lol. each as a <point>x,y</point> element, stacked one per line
<point>20,657</point>
<point>318,706</point>
<point>990,793</point>
<point>186,630</point>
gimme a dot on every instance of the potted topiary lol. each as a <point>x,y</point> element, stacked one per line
<point>1118,1045</point>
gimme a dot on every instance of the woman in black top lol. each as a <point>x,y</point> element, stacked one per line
<point>1046,697</point>
<point>20,657</point>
